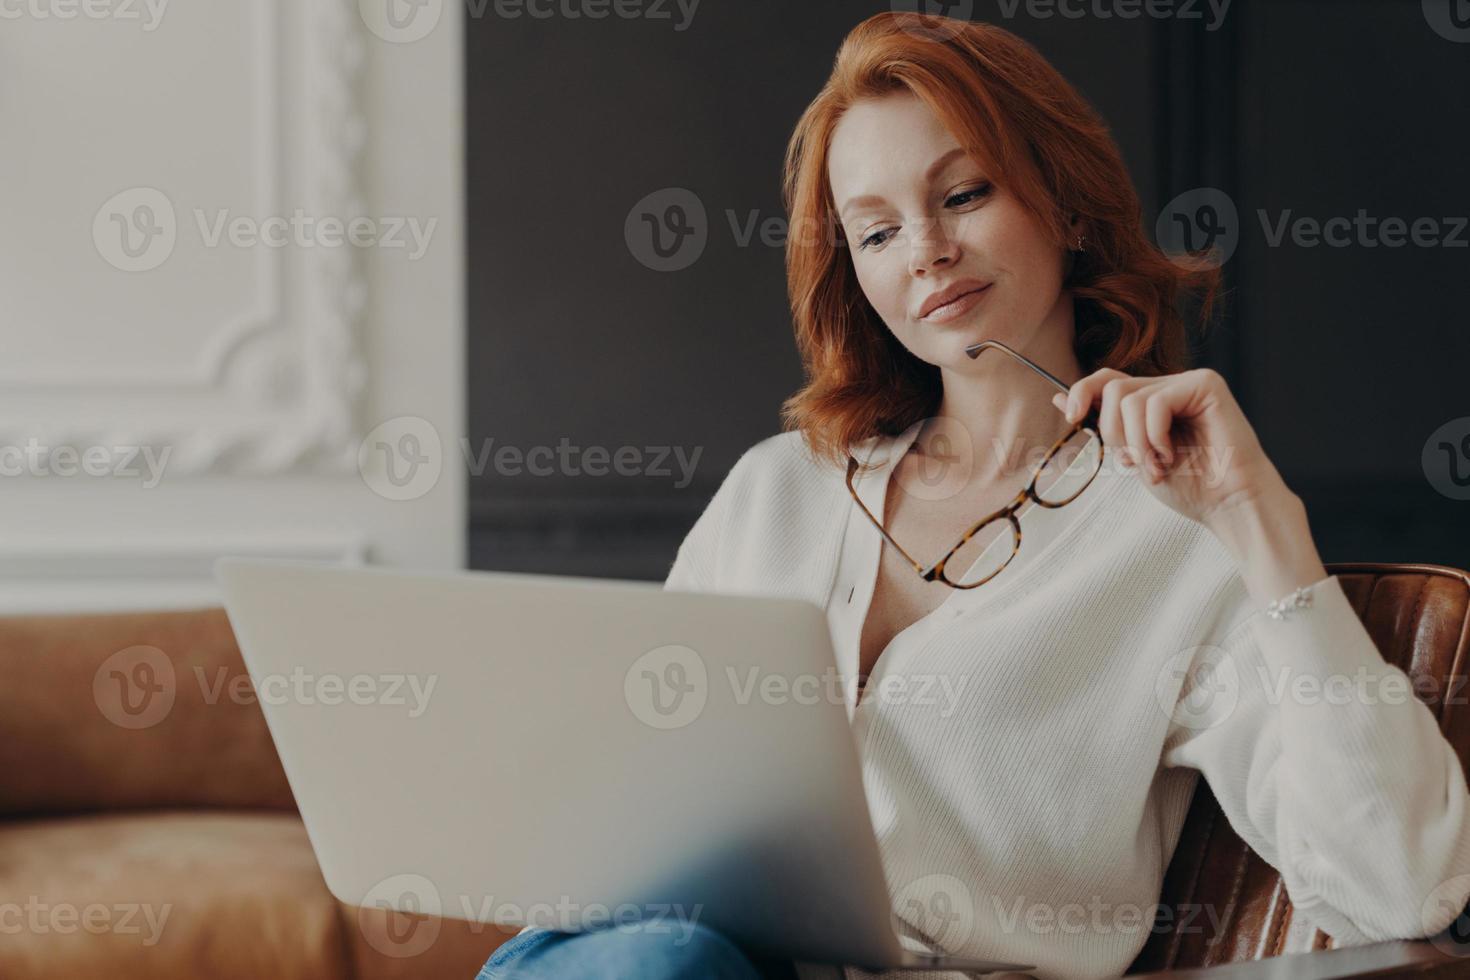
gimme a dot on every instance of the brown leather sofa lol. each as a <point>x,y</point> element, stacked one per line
<point>139,842</point>
<point>173,848</point>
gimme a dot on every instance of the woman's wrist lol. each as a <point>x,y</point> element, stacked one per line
<point>1271,541</point>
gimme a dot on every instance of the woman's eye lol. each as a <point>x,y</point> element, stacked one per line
<point>954,201</point>
<point>965,197</point>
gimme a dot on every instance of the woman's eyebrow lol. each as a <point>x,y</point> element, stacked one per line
<point>935,169</point>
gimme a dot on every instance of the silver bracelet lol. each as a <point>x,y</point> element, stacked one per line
<point>1281,608</point>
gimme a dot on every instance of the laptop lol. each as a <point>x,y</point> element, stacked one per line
<point>573,753</point>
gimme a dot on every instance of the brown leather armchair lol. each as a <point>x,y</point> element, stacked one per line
<point>1419,616</point>
<point>167,843</point>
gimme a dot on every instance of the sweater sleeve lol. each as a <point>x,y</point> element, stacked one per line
<point>1330,767</point>
<point>695,565</point>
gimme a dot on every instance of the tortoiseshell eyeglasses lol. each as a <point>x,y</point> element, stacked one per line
<point>1067,469</point>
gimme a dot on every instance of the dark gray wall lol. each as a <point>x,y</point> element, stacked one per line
<point>1322,107</point>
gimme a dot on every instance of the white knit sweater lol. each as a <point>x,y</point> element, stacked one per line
<point>1029,773</point>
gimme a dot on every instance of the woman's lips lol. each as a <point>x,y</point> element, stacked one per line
<point>956,307</point>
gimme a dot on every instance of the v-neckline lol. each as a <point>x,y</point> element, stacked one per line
<point>896,447</point>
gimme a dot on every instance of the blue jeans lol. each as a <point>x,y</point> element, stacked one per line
<point>629,952</point>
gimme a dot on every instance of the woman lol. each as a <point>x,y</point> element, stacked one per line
<point>1147,632</point>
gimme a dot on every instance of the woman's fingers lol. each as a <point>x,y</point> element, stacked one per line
<point>1112,424</point>
<point>1131,409</point>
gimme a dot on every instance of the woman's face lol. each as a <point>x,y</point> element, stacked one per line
<point>914,228</point>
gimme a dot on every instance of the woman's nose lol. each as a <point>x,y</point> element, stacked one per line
<point>931,247</point>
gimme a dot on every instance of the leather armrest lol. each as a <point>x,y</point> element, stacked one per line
<point>1401,959</point>
<point>104,711</point>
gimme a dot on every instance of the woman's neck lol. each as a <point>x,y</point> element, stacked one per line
<point>1000,413</point>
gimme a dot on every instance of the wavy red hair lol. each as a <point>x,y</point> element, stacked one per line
<point>1035,135</point>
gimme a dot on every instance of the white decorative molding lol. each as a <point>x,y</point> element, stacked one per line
<point>122,558</point>
<point>278,388</point>
<point>223,340</point>
<point>125,573</point>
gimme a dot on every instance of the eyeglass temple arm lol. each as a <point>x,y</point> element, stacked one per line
<point>975,350</point>
<point>921,569</point>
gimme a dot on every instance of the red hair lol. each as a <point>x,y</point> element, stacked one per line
<point>1036,136</point>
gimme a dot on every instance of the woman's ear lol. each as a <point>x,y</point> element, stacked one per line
<point>1075,229</point>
